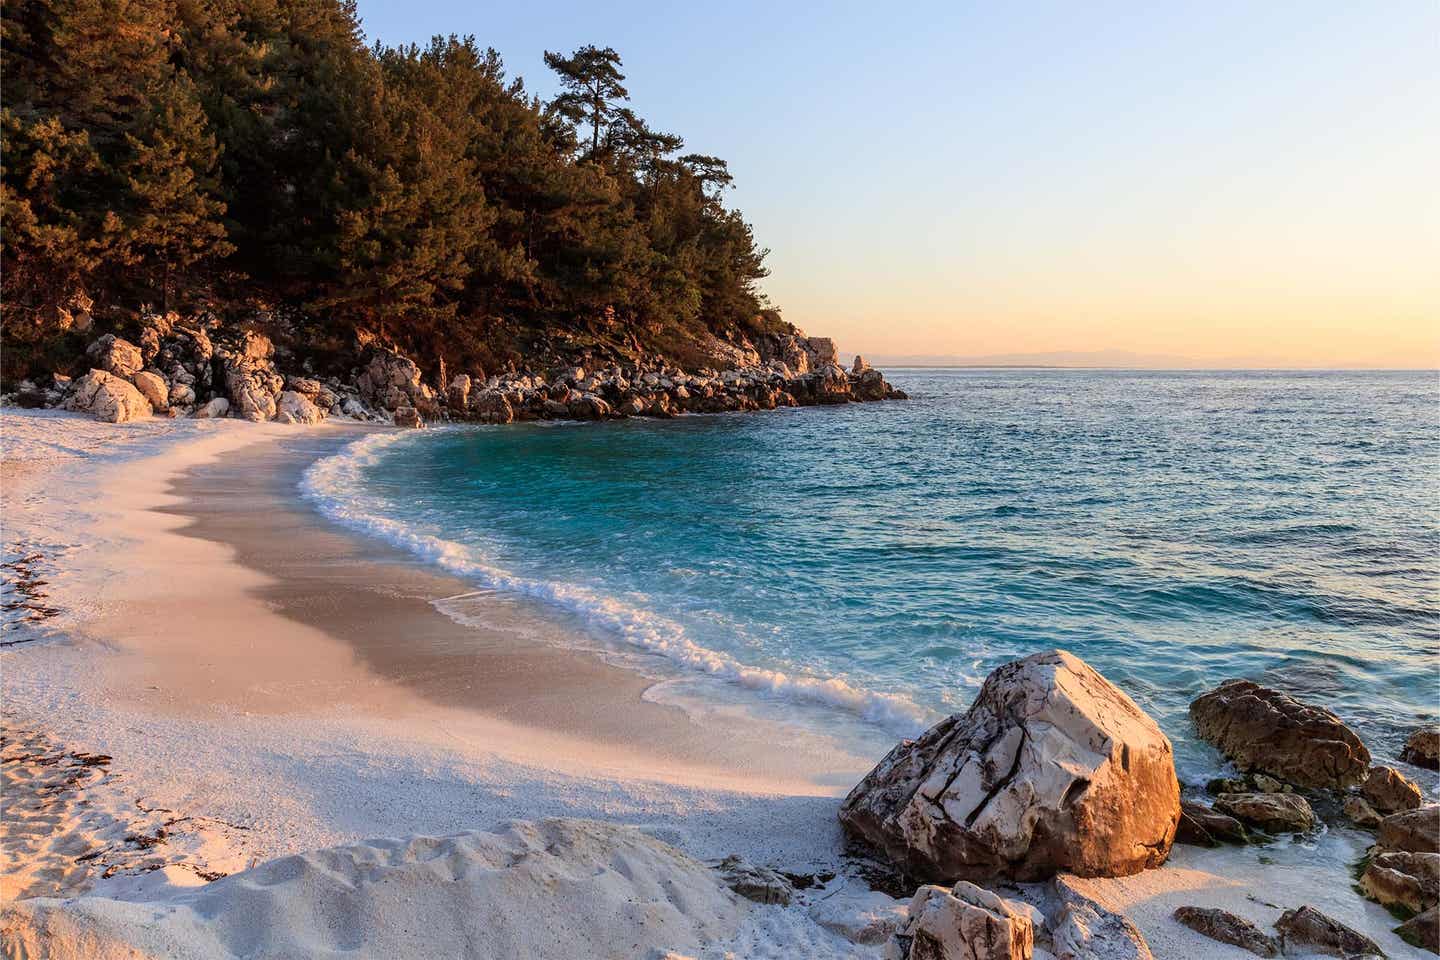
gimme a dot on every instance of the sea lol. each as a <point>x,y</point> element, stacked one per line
<point>862,568</point>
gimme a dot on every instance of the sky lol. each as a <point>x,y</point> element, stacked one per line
<point>1187,182</point>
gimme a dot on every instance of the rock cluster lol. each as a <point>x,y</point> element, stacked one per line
<point>1052,769</point>
<point>1285,745</point>
<point>181,368</point>
<point>969,922</point>
<point>1423,748</point>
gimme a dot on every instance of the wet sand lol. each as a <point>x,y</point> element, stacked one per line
<point>323,587</point>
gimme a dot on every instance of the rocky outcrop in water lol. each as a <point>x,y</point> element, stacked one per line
<point>1423,748</point>
<point>1052,769</point>
<point>1271,732</point>
<point>1416,831</point>
<point>1398,878</point>
<point>1271,812</point>
<point>1389,791</point>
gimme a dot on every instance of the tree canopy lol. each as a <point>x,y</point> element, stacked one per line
<point>258,158</point>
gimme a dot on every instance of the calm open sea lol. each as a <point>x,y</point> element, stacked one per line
<point>876,561</point>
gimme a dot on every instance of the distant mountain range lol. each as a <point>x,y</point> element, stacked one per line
<point>1094,358</point>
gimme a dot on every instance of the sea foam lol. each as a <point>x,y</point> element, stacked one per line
<point>336,486</point>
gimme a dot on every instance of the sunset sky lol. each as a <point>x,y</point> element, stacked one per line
<point>1246,184</point>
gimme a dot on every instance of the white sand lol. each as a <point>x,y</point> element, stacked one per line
<point>222,717</point>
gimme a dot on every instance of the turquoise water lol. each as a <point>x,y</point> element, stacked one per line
<point>877,560</point>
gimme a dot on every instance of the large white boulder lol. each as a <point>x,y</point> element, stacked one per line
<point>107,397</point>
<point>1051,769</point>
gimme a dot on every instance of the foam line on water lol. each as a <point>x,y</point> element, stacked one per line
<point>335,485</point>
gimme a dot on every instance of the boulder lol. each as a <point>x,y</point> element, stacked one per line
<point>1422,930</point>
<point>752,882</point>
<point>1360,812</point>
<point>306,386</point>
<point>491,406</point>
<point>408,417</point>
<point>117,356</point>
<point>391,381</point>
<point>1423,748</point>
<point>1082,929</point>
<point>1051,769</point>
<point>1271,732</point>
<point>1202,826</point>
<point>588,407</point>
<point>218,407</point>
<point>457,395</point>
<point>859,366</point>
<point>821,350</point>
<point>153,388</point>
<point>295,407</point>
<point>1271,812</point>
<point>1307,930</point>
<point>106,396</point>
<point>1414,831</point>
<point>251,379</point>
<point>1388,791</point>
<point>1228,928</point>
<point>1409,880</point>
<point>964,922</point>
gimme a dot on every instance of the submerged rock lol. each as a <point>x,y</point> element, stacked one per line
<point>1271,732</point>
<point>1271,812</point>
<point>107,397</point>
<point>1423,748</point>
<point>963,922</point>
<point>1388,791</point>
<point>1052,769</point>
<point>1228,928</point>
<point>1307,930</point>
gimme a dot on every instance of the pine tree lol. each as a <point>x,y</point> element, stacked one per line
<point>592,81</point>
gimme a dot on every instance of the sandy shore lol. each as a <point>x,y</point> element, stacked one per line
<point>270,684</point>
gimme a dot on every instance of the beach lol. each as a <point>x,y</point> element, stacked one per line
<point>274,683</point>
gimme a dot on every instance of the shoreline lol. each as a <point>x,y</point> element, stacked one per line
<point>232,731</point>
